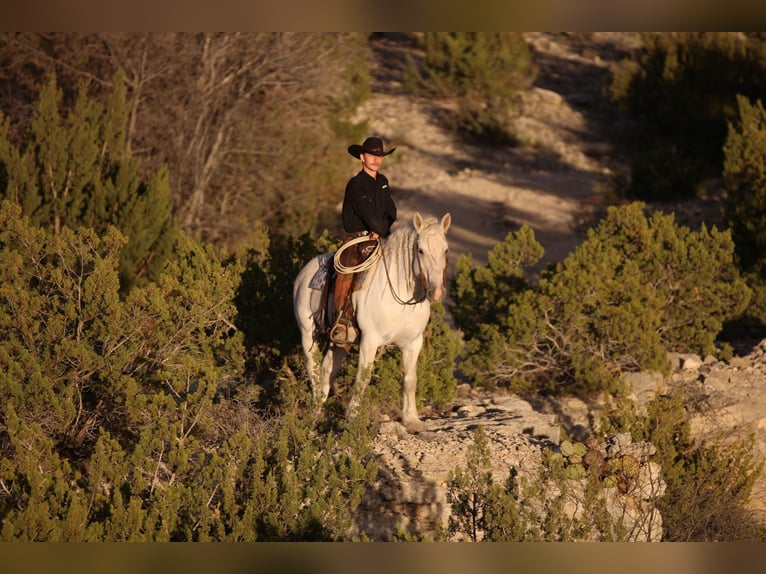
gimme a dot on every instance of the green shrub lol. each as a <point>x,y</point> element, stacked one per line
<point>692,275</point>
<point>745,204</point>
<point>264,299</point>
<point>297,483</point>
<point>533,509</point>
<point>681,91</point>
<point>75,169</point>
<point>745,180</point>
<point>484,71</point>
<point>755,314</point>
<point>709,482</point>
<point>484,294</point>
<point>637,287</point>
<point>130,419</point>
<point>468,490</point>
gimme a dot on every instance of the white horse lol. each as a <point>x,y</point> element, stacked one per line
<point>392,306</point>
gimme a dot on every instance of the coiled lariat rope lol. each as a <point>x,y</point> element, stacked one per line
<point>364,265</point>
<point>370,261</point>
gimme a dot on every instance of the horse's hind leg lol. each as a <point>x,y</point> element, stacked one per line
<point>313,357</point>
<point>321,369</point>
<point>330,366</point>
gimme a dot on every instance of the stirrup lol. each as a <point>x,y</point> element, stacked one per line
<point>343,333</point>
<point>339,333</point>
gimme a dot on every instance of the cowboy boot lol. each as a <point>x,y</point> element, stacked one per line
<point>341,308</point>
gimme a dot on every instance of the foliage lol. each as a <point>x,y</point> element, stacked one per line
<point>468,489</point>
<point>538,508</point>
<point>744,177</point>
<point>692,274</point>
<point>708,481</point>
<point>264,298</point>
<point>636,287</point>
<point>681,91</point>
<point>485,299</point>
<point>249,124</point>
<point>299,483</point>
<point>745,180</point>
<point>129,419</point>
<point>485,292</point>
<point>75,170</point>
<point>485,71</point>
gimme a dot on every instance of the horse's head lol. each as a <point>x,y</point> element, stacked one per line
<point>431,254</point>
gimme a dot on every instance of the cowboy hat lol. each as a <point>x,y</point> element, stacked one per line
<point>372,145</point>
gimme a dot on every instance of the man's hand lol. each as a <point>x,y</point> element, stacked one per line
<point>374,235</point>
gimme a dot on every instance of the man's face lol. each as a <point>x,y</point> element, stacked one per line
<point>371,162</point>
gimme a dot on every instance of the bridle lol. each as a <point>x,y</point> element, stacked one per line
<point>421,278</point>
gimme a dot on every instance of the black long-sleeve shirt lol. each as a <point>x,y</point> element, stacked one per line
<point>368,205</point>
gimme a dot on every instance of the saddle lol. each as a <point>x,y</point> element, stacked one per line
<point>345,328</point>
<point>342,327</point>
<point>336,316</point>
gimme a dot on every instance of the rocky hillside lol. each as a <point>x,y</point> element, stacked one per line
<point>411,492</point>
<point>725,399</point>
<point>551,185</point>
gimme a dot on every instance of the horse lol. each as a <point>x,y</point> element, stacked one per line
<point>392,307</point>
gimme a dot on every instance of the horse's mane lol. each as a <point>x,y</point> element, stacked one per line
<point>399,249</point>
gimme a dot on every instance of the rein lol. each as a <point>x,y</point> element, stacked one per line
<point>421,278</point>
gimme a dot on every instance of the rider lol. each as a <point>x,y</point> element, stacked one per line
<point>368,209</point>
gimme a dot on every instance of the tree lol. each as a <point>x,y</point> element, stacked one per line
<point>469,490</point>
<point>692,274</point>
<point>745,180</point>
<point>72,169</point>
<point>485,292</point>
<point>248,124</point>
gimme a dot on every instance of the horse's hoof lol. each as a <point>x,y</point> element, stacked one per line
<point>414,426</point>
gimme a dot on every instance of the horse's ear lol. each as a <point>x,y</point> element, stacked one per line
<point>418,222</point>
<point>446,221</point>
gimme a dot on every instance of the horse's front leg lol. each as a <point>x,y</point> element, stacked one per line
<point>410,418</point>
<point>368,348</point>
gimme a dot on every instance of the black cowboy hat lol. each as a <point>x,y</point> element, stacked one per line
<point>372,145</point>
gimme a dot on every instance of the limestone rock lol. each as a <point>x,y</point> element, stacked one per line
<point>410,493</point>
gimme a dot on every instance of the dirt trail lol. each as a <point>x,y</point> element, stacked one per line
<point>550,184</point>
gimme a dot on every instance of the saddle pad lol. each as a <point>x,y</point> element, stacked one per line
<point>319,280</point>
